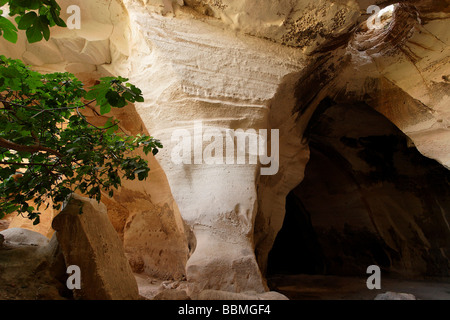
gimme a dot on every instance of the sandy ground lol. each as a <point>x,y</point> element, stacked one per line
<point>312,287</point>
<point>309,287</point>
<point>150,287</point>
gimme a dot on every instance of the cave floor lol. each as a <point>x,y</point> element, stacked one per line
<point>319,287</point>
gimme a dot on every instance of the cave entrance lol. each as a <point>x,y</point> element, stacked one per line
<point>368,198</point>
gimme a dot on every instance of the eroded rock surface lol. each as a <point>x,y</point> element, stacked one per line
<point>32,268</point>
<point>395,296</point>
<point>368,198</point>
<point>89,241</point>
<point>18,236</point>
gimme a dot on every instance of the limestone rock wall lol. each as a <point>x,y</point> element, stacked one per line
<point>194,71</point>
<point>407,60</point>
<point>158,244</point>
<point>368,197</point>
<point>399,70</point>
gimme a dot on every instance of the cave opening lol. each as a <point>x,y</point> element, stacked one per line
<point>368,198</point>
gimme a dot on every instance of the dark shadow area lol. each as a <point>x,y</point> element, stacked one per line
<point>297,230</point>
<point>368,198</point>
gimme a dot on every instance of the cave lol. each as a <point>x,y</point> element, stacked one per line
<point>369,197</point>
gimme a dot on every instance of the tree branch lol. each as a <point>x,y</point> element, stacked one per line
<point>32,149</point>
<point>27,164</point>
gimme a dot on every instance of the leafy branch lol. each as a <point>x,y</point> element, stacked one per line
<point>48,149</point>
<point>36,17</point>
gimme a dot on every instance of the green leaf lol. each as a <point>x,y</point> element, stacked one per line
<point>34,34</point>
<point>112,129</point>
<point>43,26</point>
<point>34,4</point>
<point>128,96</point>
<point>36,221</point>
<point>91,156</point>
<point>9,35</point>
<point>6,24</point>
<point>113,98</point>
<point>11,209</point>
<point>121,103</point>
<point>105,108</point>
<point>55,16</point>
<point>9,30</point>
<point>27,20</point>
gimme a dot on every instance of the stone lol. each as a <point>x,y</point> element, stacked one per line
<point>374,68</point>
<point>89,241</point>
<point>337,205</point>
<point>138,218</point>
<point>172,294</point>
<point>222,214</point>
<point>414,84</point>
<point>272,295</point>
<point>4,223</point>
<point>33,272</point>
<point>226,295</point>
<point>306,25</point>
<point>2,239</point>
<point>24,237</point>
<point>395,296</point>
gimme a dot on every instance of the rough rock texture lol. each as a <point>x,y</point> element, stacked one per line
<point>226,295</point>
<point>5,222</point>
<point>304,24</point>
<point>375,68</point>
<point>405,68</point>
<point>171,294</point>
<point>32,270</point>
<point>225,86</point>
<point>395,296</point>
<point>144,214</point>
<point>89,241</point>
<point>368,197</point>
<point>24,237</point>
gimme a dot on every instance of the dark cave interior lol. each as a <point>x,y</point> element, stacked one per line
<point>369,197</point>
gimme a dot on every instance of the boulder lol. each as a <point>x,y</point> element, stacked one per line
<point>88,240</point>
<point>172,294</point>
<point>395,296</point>
<point>24,237</point>
<point>226,295</point>
<point>32,272</point>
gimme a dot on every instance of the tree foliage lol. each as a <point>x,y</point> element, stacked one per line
<point>34,16</point>
<point>48,148</point>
